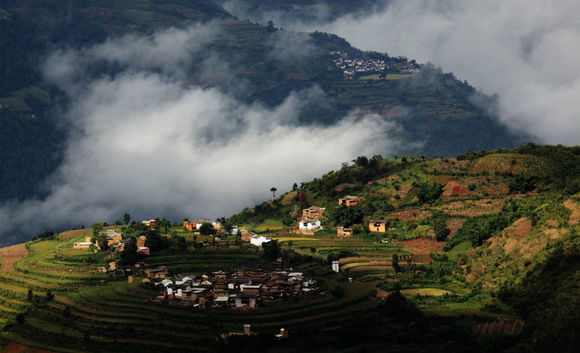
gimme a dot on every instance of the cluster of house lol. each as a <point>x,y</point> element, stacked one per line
<point>243,289</point>
<point>309,221</point>
<point>195,225</point>
<point>351,66</point>
<point>115,242</point>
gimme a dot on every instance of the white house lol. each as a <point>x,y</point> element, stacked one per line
<point>335,266</point>
<point>309,224</point>
<point>258,240</point>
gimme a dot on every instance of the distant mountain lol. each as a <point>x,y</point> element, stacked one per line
<point>437,114</point>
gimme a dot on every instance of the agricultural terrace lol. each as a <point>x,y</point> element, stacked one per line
<point>90,311</point>
<point>457,226</point>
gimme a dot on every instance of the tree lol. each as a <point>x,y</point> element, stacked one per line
<point>155,241</point>
<point>395,263</point>
<point>97,227</point>
<point>181,244</point>
<point>129,255</point>
<point>273,189</point>
<point>30,295</point>
<point>126,218</point>
<point>429,193</point>
<point>271,249</point>
<point>441,230</point>
<point>103,242</point>
<point>294,187</point>
<point>206,229</point>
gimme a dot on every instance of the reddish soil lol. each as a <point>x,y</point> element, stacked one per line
<point>410,215</point>
<point>19,348</point>
<point>520,228</point>
<point>421,246</point>
<point>454,188</point>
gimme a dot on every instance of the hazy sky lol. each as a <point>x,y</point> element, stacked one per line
<point>144,143</point>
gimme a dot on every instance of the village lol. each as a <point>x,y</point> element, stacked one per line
<point>241,289</point>
<point>353,66</point>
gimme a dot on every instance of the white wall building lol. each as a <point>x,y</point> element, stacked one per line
<point>335,266</point>
<point>258,240</point>
<point>309,224</point>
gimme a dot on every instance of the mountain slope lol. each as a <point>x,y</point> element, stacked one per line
<point>435,112</point>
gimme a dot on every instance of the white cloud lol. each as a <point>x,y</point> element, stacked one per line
<point>144,143</point>
<point>526,51</point>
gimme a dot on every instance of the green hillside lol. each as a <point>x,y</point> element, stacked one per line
<point>433,108</point>
<point>481,255</point>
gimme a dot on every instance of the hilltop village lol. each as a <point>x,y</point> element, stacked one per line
<point>353,66</point>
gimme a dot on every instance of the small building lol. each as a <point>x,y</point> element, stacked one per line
<point>113,237</point>
<point>313,212</point>
<point>143,250</point>
<point>113,265</point>
<point>149,223</point>
<point>215,225</point>
<point>309,225</point>
<point>344,232</point>
<point>247,234</point>
<point>141,241</point>
<point>190,226</point>
<point>379,226</point>
<point>258,240</point>
<point>335,266</point>
<point>349,200</point>
<point>131,279</point>
<point>82,245</point>
<point>283,334</point>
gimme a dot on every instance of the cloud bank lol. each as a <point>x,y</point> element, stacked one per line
<point>525,51</point>
<point>143,142</point>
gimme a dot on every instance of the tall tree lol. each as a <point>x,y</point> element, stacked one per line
<point>273,189</point>
<point>126,218</point>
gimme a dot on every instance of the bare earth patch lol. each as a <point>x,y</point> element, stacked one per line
<point>403,191</point>
<point>10,255</point>
<point>519,228</point>
<point>454,224</point>
<point>472,208</point>
<point>410,215</point>
<point>552,233</point>
<point>454,188</point>
<point>71,234</point>
<point>421,246</point>
<point>289,198</point>
<point>575,211</point>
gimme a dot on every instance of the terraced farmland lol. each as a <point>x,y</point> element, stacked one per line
<point>91,311</point>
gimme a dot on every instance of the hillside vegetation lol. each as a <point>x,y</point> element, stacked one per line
<point>481,255</point>
<point>431,106</point>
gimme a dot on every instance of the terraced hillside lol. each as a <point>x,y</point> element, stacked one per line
<point>474,227</point>
<point>478,247</point>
